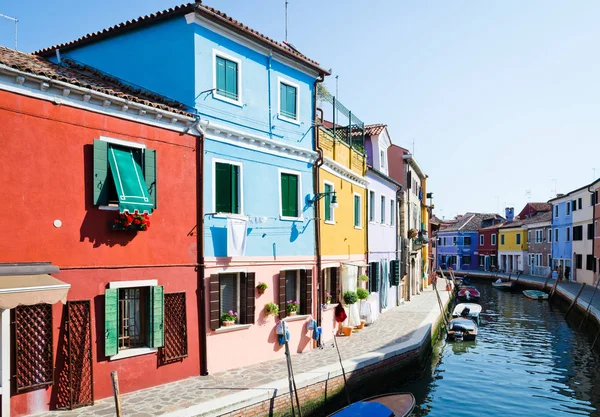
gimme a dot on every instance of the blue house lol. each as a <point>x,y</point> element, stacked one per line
<point>255,101</point>
<point>458,244</point>
<point>562,234</point>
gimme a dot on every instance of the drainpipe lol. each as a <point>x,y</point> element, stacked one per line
<point>399,224</point>
<point>201,294</point>
<point>317,205</point>
<point>269,61</point>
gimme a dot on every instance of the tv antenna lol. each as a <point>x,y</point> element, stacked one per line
<point>553,190</point>
<point>286,18</point>
<point>16,28</point>
<point>528,194</point>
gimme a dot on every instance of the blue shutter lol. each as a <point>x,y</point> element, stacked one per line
<point>220,69</point>
<point>283,99</point>
<point>231,79</point>
<point>291,102</point>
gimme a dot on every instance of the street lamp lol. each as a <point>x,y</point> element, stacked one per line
<point>334,202</point>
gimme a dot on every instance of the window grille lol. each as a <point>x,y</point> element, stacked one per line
<point>132,317</point>
<point>176,347</point>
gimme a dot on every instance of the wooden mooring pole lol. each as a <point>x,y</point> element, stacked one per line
<point>547,279</point>
<point>575,299</point>
<point>553,289</point>
<point>115,384</point>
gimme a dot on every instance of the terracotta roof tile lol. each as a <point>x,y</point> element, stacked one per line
<point>87,78</point>
<point>374,130</point>
<point>180,10</point>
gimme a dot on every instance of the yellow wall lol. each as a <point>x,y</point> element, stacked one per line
<point>510,239</point>
<point>425,221</point>
<point>342,238</point>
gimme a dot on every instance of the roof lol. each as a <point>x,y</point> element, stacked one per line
<point>492,227</point>
<point>180,10</point>
<point>541,206</point>
<point>561,196</point>
<point>87,78</point>
<point>374,130</point>
<point>470,222</point>
<point>541,217</point>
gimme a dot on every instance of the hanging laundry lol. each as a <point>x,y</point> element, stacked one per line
<point>340,313</point>
<point>236,236</point>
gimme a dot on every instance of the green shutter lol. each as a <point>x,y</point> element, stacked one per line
<point>283,99</point>
<point>223,192</point>
<point>327,203</point>
<point>156,327</point>
<point>289,195</point>
<point>235,185</point>
<point>150,174</point>
<point>356,211</point>
<point>285,189</point>
<point>220,75</point>
<point>231,86</point>
<point>111,318</point>
<point>291,102</point>
<point>100,172</point>
<point>394,272</point>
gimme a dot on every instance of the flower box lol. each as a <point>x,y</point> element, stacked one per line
<point>127,221</point>
<point>227,323</point>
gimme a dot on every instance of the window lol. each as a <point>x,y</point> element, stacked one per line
<point>589,262</point>
<point>133,316</point>
<point>595,197</point>
<point>466,260</point>
<point>568,234</point>
<point>578,261</point>
<point>124,175</point>
<point>288,101</point>
<point>467,241</point>
<point>494,239</point>
<point>590,231</point>
<point>481,240</point>
<point>518,238</point>
<point>298,287</point>
<point>502,239</point>
<point>577,233</point>
<point>556,211</point>
<point>549,260</point>
<point>329,210</point>
<point>579,203</point>
<point>549,235</point>
<point>571,206</point>
<point>371,206</point>
<point>595,228</point>
<point>392,215</point>
<point>481,260</point>
<point>529,236</point>
<point>175,347</point>
<point>454,240</point>
<point>330,277</point>
<point>357,211</point>
<point>592,196</point>
<point>231,292</point>
<point>382,156</point>
<point>290,195</point>
<point>445,241</point>
<point>227,78</point>
<point>227,187</point>
<point>382,208</point>
<point>555,235</point>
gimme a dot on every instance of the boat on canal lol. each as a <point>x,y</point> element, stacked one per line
<point>535,294</point>
<point>468,293</point>
<point>386,405</point>
<point>462,329</point>
<point>503,285</point>
<point>467,310</point>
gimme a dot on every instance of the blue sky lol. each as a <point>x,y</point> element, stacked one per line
<point>499,97</point>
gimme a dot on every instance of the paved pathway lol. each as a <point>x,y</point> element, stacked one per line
<point>393,327</point>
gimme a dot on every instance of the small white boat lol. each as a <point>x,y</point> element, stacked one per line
<point>535,294</point>
<point>469,310</point>
<point>503,285</point>
<point>462,329</point>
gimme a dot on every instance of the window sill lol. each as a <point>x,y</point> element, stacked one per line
<point>109,208</point>
<point>288,119</point>
<point>329,307</point>
<point>128,353</point>
<point>296,318</point>
<point>219,97</point>
<point>232,328</point>
<point>229,216</point>
<point>329,222</point>
<point>358,227</point>
<point>291,219</point>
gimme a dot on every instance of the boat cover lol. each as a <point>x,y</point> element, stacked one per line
<point>463,324</point>
<point>475,309</point>
<point>360,408</point>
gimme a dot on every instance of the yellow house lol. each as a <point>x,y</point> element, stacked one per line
<point>512,246</point>
<point>425,228</point>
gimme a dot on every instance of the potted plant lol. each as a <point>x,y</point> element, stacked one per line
<point>271,309</point>
<point>364,278</point>
<point>261,287</point>
<point>291,307</point>
<point>135,221</point>
<point>412,233</point>
<point>229,318</point>
<point>350,298</point>
<point>362,294</point>
<point>328,298</point>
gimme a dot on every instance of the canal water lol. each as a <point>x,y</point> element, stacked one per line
<point>527,361</point>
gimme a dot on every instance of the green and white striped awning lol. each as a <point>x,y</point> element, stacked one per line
<point>129,181</point>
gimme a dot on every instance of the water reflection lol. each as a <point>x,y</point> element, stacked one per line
<point>526,360</point>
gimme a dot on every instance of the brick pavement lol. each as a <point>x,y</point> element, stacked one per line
<point>400,325</point>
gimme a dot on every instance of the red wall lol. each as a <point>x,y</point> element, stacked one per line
<point>488,248</point>
<point>396,164</point>
<point>46,174</point>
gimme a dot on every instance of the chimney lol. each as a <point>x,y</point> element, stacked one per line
<point>510,214</point>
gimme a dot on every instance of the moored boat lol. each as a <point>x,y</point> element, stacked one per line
<point>503,285</point>
<point>535,294</point>
<point>468,310</point>
<point>386,405</point>
<point>468,294</point>
<point>462,329</point>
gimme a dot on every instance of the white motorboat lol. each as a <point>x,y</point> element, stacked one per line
<point>468,310</point>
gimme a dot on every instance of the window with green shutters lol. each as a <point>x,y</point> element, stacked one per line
<point>357,211</point>
<point>328,188</point>
<point>227,78</point>
<point>227,188</point>
<point>133,318</point>
<point>288,101</point>
<point>289,195</point>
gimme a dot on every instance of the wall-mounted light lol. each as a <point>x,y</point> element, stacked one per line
<point>334,202</point>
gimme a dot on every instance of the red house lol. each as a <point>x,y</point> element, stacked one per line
<point>488,243</point>
<point>77,151</point>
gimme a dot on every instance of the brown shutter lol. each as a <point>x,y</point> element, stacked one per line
<point>335,287</point>
<point>306,291</point>
<point>250,298</point>
<point>242,298</point>
<point>215,301</point>
<point>282,294</point>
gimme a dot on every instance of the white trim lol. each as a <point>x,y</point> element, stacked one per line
<point>122,142</point>
<point>298,174</point>
<point>341,171</point>
<point>360,224</point>
<point>216,53</point>
<point>248,43</point>
<point>35,289</point>
<point>227,271</point>
<point>109,208</point>
<point>129,353</point>
<point>5,362</point>
<point>133,284</point>
<point>295,268</point>
<point>240,185</point>
<point>297,317</point>
<point>235,327</point>
<point>331,209</point>
<point>280,81</point>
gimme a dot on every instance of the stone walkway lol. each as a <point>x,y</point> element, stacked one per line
<point>401,324</point>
